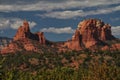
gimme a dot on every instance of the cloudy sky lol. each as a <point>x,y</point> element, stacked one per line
<point>57,18</point>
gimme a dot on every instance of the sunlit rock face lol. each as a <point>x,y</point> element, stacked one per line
<point>91,32</point>
<point>75,42</point>
<point>25,33</point>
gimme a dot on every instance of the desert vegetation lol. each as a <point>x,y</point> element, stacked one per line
<point>83,65</point>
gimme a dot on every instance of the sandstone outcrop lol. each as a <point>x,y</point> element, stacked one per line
<point>116,46</point>
<point>24,37</point>
<point>24,33</point>
<point>75,42</point>
<point>11,48</point>
<point>113,47</point>
<point>41,37</point>
<point>90,32</point>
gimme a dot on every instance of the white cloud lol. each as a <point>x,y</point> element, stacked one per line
<point>13,23</point>
<point>64,14</point>
<point>116,30</point>
<point>68,30</point>
<point>32,24</point>
<point>52,5</point>
<point>4,23</point>
<point>77,13</point>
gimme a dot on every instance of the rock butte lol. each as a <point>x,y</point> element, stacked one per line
<point>23,37</point>
<point>24,33</point>
<point>90,34</point>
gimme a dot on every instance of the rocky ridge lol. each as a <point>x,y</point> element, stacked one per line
<point>92,34</point>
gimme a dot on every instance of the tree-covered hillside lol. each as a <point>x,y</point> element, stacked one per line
<point>84,65</point>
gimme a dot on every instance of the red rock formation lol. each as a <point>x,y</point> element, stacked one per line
<point>11,48</point>
<point>112,47</point>
<point>28,46</point>
<point>106,33</point>
<point>41,37</point>
<point>75,43</point>
<point>23,32</point>
<point>88,31</point>
<point>91,33</point>
<point>23,37</point>
<point>106,47</point>
<point>116,46</point>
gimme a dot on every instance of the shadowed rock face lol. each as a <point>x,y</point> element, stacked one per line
<point>41,37</point>
<point>91,32</point>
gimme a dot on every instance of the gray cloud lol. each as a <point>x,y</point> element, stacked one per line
<point>116,30</point>
<point>48,5</point>
<point>79,13</point>
<point>67,30</point>
<point>10,2</point>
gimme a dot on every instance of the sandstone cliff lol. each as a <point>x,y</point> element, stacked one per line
<point>90,33</point>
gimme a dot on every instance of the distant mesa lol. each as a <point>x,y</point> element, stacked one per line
<point>92,34</point>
